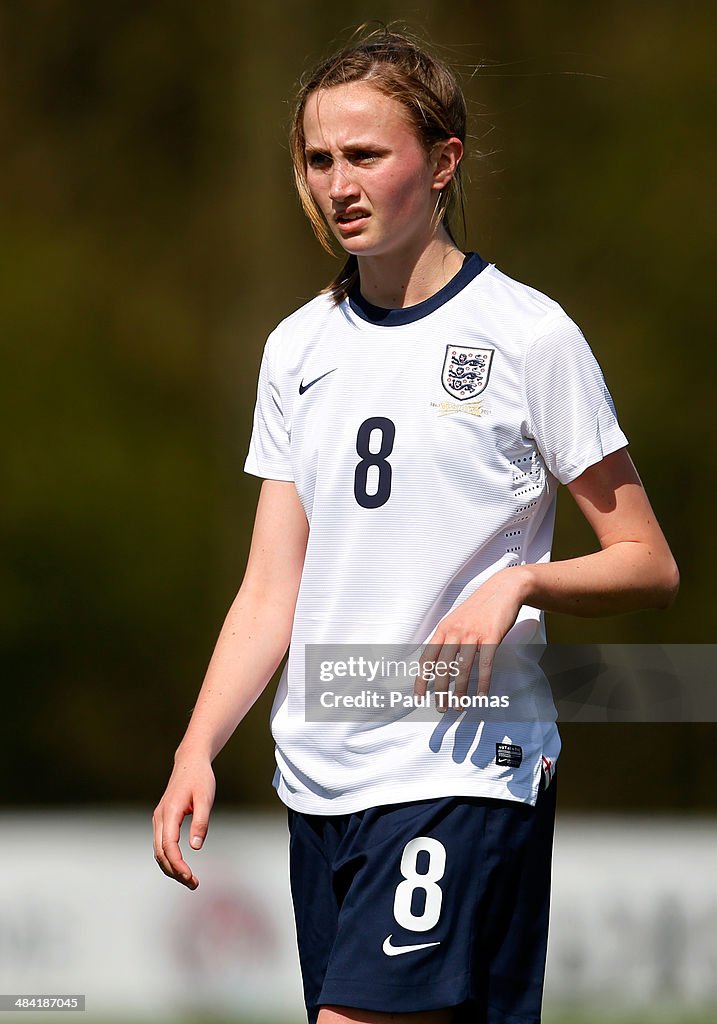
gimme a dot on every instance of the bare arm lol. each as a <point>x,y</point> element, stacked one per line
<point>252,642</point>
<point>634,568</point>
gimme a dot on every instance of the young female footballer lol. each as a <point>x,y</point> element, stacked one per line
<point>413,422</point>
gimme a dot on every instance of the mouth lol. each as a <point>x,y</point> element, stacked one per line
<point>350,220</point>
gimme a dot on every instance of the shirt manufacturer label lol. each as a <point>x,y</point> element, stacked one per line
<point>508,754</point>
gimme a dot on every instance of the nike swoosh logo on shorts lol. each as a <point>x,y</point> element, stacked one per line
<point>305,387</point>
<point>391,950</point>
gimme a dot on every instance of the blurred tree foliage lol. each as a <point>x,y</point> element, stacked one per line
<point>151,239</point>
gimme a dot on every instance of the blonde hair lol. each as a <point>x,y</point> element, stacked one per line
<point>400,67</point>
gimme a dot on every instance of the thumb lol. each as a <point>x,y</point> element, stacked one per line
<point>198,829</point>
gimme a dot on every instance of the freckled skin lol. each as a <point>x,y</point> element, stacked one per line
<point>365,161</point>
<point>363,155</point>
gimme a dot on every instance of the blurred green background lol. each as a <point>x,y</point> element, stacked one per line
<point>151,239</point>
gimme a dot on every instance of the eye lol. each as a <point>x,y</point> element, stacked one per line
<point>364,156</point>
<point>319,161</point>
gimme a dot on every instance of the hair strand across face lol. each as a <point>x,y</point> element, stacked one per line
<point>427,89</point>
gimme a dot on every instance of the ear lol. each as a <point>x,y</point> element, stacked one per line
<point>446,157</point>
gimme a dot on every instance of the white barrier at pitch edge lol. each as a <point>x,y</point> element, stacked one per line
<point>84,909</point>
<point>634,917</point>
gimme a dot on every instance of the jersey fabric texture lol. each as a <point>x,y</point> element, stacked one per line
<point>425,905</point>
<point>426,445</point>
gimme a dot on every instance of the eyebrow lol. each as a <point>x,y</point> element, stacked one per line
<point>349,147</point>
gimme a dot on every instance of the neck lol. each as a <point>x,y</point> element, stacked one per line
<point>397,280</point>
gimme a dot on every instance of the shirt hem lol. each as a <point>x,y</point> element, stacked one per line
<point>401,997</point>
<point>614,442</point>
<point>268,472</point>
<point>378,797</point>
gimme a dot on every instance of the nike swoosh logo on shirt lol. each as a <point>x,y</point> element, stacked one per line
<point>305,387</point>
<point>391,950</point>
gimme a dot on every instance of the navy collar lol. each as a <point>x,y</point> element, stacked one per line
<point>473,264</point>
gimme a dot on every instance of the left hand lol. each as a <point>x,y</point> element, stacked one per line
<point>473,631</point>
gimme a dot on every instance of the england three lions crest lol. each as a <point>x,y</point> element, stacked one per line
<point>466,370</point>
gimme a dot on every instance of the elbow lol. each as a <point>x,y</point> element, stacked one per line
<point>668,584</point>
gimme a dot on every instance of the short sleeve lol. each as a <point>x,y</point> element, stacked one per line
<point>269,449</point>
<point>570,412</point>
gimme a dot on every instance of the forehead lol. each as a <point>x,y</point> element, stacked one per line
<point>356,109</point>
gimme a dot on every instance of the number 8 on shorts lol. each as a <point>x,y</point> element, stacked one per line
<point>423,881</point>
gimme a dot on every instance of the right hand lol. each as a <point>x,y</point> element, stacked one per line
<point>190,790</point>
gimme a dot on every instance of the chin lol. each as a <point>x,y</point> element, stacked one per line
<point>360,246</point>
<point>350,241</point>
<point>355,245</point>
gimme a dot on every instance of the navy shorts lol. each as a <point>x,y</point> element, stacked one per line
<point>425,905</point>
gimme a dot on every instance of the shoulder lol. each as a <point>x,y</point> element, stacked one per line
<point>519,301</point>
<point>512,317</point>
<point>545,333</point>
<point>295,340</point>
<point>300,326</point>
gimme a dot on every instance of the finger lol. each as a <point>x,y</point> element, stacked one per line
<point>179,869</point>
<point>199,826</point>
<point>425,663</point>
<point>447,655</point>
<point>463,662</point>
<point>486,658</point>
<point>169,856</point>
<point>158,830</point>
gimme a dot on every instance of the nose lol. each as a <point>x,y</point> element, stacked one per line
<point>342,184</point>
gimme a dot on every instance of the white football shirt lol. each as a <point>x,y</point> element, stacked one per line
<point>426,445</point>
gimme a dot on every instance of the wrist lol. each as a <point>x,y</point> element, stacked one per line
<point>526,583</point>
<point>192,751</point>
